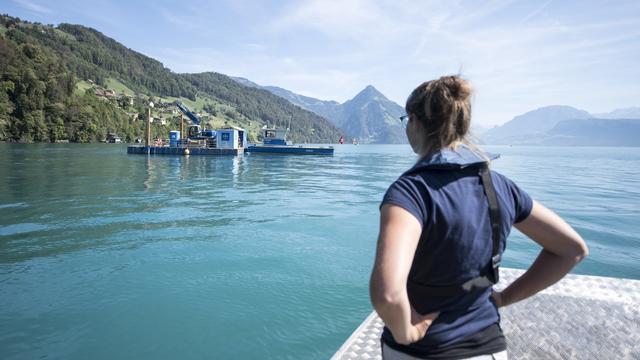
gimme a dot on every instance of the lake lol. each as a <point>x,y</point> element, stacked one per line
<point>105,255</point>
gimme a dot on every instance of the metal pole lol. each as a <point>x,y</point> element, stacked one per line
<point>148,141</point>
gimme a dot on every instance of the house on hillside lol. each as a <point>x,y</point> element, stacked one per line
<point>159,120</point>
<point>126,98</point>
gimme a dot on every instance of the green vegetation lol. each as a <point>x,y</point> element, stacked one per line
<point>253,103</point>
<point>118,87</point>
<point>73,83</point>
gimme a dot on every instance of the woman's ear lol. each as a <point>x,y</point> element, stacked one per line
<point>418,126</point>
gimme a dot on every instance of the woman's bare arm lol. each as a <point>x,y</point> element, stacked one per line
<point>562,249</point>
<point>397,242</point>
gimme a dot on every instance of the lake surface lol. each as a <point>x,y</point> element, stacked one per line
<point>105,255</point>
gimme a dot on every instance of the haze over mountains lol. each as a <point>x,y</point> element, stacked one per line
<point>565,125</point>
<point>373,119</point>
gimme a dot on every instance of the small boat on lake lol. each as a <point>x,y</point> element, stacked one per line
<point>275,142</point>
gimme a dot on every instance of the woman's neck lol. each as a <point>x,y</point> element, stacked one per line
<point>425,151</point>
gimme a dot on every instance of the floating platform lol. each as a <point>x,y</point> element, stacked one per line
<point>581,317</point>
<point>166,150</point>
<point>291,149</point>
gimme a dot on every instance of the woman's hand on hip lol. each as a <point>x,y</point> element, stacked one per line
<point>419,326</point>
<point>496,296</point>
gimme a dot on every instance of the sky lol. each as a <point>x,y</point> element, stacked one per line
<point>517,55</point>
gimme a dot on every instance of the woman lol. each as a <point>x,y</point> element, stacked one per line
<point>443,226</point>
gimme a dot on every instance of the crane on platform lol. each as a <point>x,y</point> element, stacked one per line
<point>195,132</point>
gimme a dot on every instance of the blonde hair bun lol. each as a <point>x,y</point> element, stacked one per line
<point>443,107</point>
<point>459,88</point>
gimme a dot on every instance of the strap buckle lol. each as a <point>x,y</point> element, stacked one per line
<point>495,268</point>
<point>495,261</point>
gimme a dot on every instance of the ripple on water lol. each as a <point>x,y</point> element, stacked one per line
<point>22,228</point>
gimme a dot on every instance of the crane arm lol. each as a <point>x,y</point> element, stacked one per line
<point>189,114</point>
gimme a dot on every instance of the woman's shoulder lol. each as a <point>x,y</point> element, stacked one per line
<point>410,192</point>
<point>504,181</point>
<point>408,184</point>
<point>517,197</point>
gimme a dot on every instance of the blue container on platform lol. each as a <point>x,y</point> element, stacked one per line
<point>174,137</point>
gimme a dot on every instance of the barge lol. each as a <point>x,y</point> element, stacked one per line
<point>275,142</point>
<point>221,142</point>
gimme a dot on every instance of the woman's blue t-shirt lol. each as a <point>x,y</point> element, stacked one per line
<point>445,193</point>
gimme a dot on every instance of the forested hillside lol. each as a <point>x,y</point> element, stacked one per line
<point>254,103</point>
<point>73,83</point>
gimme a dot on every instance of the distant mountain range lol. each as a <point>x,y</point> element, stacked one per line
<point>372,118</point>
<point>595,132</point>
<point>369,117</point>
<point>51,77</point>
<point>626,113</point>
<point>565,125</point>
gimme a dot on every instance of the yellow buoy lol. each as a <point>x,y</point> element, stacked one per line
<point>186,151</point>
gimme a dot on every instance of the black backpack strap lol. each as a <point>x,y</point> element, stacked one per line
<point>490,274</point>
<point>494,215</point>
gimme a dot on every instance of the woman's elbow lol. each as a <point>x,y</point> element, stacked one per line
<point>577,252</point>
<point>582,252</point>
<point>382,296</point>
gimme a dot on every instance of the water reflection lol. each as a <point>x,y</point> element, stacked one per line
<point>150,172</point>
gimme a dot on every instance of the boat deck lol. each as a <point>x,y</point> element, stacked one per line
<point>581,317</point>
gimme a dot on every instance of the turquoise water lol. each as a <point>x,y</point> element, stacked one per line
<point>105,255</point>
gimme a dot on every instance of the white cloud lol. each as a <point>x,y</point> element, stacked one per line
<point>535,12</point>
<point>518,55</point>
<point>297,75</point>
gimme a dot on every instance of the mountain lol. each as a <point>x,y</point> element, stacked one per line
<point>595,132</point>
<point>478,129</point>
<point>369,116</point>
<point>372,118</point>
<point>327,109</point>
<point>626,113</point>
<point>567,126</point>
<point>246,82</point>
<point>528,127</point>
<point>266,108</point>
<point>54,80</point>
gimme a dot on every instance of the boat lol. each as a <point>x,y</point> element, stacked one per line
<point>112,138</point>
<point>275,142</point>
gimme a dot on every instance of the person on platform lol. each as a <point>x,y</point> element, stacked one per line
<point>443,228</point>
